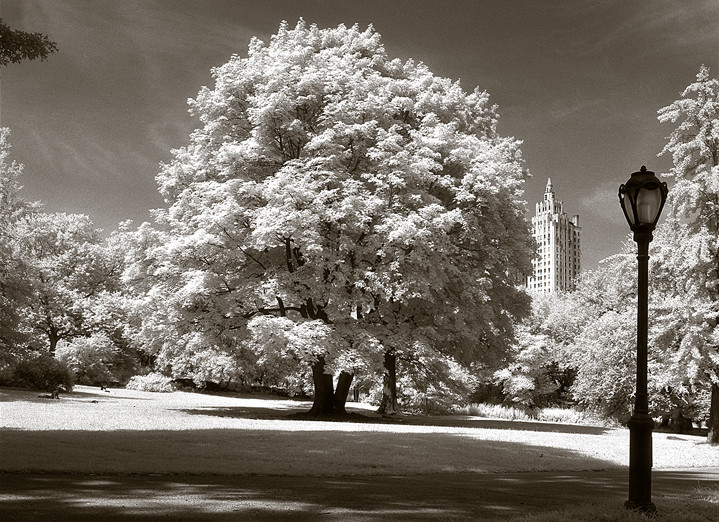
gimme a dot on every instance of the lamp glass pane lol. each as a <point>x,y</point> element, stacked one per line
<point>627,202</point>
<point>648,203</point>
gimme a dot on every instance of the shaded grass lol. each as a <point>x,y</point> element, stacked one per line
<point>369,417</point>
<point>451,496</point>
<point>291,453</point>
<point>258,458</point>
<point>132,431</point>
<point>697,507</point>
<point>710,494</point>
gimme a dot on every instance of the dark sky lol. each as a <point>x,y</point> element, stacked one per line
<point>579,82</point>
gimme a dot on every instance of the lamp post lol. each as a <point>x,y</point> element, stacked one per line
<point>642,199</point>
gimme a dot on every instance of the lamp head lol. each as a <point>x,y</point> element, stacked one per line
<point>642,199</point>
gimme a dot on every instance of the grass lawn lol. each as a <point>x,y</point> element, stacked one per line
<point>131,432</point>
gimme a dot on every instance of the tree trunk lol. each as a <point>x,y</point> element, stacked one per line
<point>53,337</point>
<point>713,437</point>
<point>327,400</point>
<point>389,404</point>
<point>344,381</point>
<point>323,402</point>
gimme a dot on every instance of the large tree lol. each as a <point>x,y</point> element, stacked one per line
<point>338,207</point>
<point>693,211</point>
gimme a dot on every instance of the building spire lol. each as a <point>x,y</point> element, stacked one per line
<point>549,185</point>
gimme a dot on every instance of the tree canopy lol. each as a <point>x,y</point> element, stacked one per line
<point>336,204</point>
<point>689,259</point>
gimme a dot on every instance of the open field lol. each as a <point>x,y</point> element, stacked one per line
<point>141,432</point>
<point>252,441</point>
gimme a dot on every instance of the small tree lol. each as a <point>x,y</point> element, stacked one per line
<point>42,372</point>
<point>67,274</point>
<point>96,360</point>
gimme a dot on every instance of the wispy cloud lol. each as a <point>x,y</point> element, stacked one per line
<point>602,203</point>
<point>81,154</point>
<point>138,37</point>
<point>564,108</point>
<point>649,27</point>
<point>162,33</point>
<point>126,70</point>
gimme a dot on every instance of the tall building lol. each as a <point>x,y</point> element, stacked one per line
<point>558,259</point>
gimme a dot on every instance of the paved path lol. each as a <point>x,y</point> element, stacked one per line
<point>456,496</point>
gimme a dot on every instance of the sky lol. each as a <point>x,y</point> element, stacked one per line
<point>579,82</point>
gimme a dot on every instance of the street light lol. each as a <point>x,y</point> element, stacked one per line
<point>642,199</point>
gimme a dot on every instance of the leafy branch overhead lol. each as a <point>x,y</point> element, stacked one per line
<point>16,46</point>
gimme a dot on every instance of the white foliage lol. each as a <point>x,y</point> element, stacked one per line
<point>345,204</point>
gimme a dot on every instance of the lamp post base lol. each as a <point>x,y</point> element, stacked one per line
<point>647,508</point>
<point>640,463</point>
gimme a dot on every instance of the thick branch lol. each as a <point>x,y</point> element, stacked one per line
<point>288,255</point>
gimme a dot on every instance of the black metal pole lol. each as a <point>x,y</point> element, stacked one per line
<point>641,423</point>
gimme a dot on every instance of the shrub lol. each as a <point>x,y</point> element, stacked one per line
<point>7,371</point>
<point>557,415</point>
<point>90,358</point>
<point>574,416</point>
<point>487,392</point>
<point>42,372</point>
<point>99,359</point>
<point>497,411</point>
<point>431,383</point>
<point>152,382</point>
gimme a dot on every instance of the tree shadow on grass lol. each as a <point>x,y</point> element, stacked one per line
<point>36,396</point>
<point>308,473</point>
<point>258,498</point>
<point>267,475</point>
<point>277,449</point>
<point>299,412</point>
